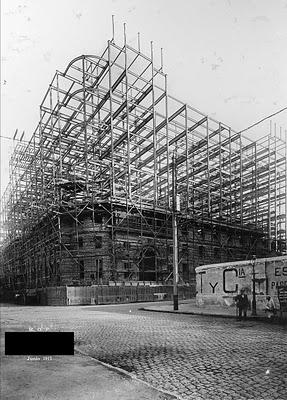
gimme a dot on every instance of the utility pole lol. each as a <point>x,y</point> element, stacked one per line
<point>175,208</point>
<point>253,310</point>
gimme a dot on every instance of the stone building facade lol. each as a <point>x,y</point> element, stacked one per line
<point>112,244</point>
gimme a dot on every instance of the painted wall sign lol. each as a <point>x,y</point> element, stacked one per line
<point>219,283</point>
<point>282,297</point>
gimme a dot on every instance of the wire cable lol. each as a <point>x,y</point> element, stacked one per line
<point>264,119</point>
<point>14,139</point>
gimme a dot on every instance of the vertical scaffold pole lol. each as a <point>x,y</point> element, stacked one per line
<point>208,169</point>
<point>187,158</point>
<point>155,189</point>
<point>112,176</point>
<point>113,28</point>
<point>175,241</point>
<point>275,189</point>
<point>269,191</point>
<point>167,142</point>
<point>128,180</point>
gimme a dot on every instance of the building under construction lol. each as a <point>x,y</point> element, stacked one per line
<point>92,194</point>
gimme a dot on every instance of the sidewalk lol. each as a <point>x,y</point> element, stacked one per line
<point>69,378</point>
<point>189,307</point>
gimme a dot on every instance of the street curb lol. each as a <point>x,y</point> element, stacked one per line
<point>170,395</point>
<point>187,313</point>
<point>260,319</point>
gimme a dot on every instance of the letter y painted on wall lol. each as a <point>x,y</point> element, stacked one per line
<point>213,287</point>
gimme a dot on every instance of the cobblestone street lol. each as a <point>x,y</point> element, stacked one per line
<point>194,357</point>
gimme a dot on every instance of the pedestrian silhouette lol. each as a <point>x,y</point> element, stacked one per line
<point>242,303</point>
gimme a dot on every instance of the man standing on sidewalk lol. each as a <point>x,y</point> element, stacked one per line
<point>242,303</point>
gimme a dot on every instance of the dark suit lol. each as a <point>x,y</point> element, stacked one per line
<point>242,305</point>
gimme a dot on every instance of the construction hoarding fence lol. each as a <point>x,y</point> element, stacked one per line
<point>102,294</point>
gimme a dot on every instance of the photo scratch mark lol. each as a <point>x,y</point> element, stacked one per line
<point>261,18</point>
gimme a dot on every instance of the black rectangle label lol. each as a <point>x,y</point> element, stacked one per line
<point>39,343</point>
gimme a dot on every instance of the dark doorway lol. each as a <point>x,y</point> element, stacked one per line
<point>147,265</point>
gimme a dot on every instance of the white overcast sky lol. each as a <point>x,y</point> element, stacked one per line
<point>227,58</point>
